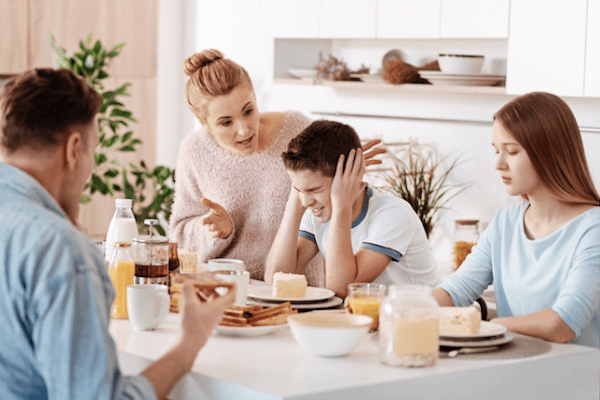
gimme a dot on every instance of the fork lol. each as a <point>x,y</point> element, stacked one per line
<point>466,350</point>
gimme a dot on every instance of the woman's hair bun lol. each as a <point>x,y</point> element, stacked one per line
<point>199,60</point>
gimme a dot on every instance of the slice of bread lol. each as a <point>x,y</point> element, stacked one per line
<point>289,286</point>
<point>459,321</point>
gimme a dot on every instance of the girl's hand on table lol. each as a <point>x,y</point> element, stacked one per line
<point>368,155</point>
<point>217,221</point>
<point>199,318</point>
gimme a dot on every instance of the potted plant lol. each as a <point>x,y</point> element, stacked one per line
<point>151,189</point>
<point>416,174</point>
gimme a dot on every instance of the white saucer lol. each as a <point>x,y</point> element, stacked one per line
<point>302,73</point>
<point>330,303</point>
<point>265,292</point>
<point>247,331</point>
<point>440,78</point>
<point>493,341</point>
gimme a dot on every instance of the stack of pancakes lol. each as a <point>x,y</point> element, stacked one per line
<point>257,315</point>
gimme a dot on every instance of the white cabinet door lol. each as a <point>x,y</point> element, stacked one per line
<point>348,19</point>
<point>408,19</point>
<point>592,56</point>
<point>474,18</point>
<point>296,18</point>
<point>546,47</point>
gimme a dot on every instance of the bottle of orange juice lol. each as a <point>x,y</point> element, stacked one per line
<point>121,270</point>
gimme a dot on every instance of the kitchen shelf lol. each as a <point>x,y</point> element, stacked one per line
<point>407,87</point>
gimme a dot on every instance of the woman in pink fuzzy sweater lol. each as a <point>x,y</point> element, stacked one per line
<point>231,186</point>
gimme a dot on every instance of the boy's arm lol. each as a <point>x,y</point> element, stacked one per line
<point>289,252</point>
<point>342,265</point>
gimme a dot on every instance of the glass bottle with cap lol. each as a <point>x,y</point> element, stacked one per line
<point>122,227</point>
<point>121,270</point>
<point>466,235</point>
<point>151,256</point>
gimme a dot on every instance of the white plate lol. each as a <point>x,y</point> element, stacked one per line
<point>312,294</point>
<point>333,302</point>
<point>302,73</point>
<point>494,341</point>
<point>440,78</point>
<point>247,331</point>
<point>486,330</point>
<point>369,78</point>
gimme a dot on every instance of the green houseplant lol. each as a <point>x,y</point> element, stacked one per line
<point>151,189</point>
<point>416,174</point>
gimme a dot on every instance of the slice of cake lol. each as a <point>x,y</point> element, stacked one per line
<point>292,286</point>
<point>459,321</point>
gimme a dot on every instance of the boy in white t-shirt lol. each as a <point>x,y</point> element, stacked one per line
<point>364,235</point>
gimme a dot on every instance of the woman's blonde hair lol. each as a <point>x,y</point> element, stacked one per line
<point>547,129</point>
<point>210,75</point>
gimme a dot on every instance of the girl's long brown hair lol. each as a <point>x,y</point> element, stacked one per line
<point>546,128</point>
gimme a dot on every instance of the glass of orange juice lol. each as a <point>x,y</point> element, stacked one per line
<point>365,299</point>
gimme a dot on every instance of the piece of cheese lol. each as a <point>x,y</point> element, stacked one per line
<point>459,321</point>
<point>292,286</point>
<point>188,261</point>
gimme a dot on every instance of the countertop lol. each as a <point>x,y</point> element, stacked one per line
<point>274,366</point>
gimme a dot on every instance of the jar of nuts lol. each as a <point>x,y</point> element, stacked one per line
<point>466,235</point>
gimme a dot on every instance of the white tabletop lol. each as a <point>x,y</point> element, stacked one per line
<point>276,367</point>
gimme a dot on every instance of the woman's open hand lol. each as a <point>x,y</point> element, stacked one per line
<point>368,155</point>
<point>217,221</point>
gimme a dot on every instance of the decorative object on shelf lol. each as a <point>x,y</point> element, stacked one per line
<point>467,64</point>
<point>393,54</point>
<point>302,73</point>
<point>398,72</point>
<point>416,174</point>
<point>90,64</point>
<point>332,69</point>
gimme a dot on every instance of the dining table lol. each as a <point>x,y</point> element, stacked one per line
<point>274,366</point>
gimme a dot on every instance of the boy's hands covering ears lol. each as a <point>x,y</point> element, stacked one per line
<point>347,183</point>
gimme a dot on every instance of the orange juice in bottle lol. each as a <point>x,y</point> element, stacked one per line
<point>121,270</point>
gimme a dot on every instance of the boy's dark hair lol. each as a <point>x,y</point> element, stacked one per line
<point>38,107</point>
<point>319,146</point>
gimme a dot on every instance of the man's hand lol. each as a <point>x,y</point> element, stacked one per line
<point>217,221</point>
<point>198,318</point>
<point>370,154</point>
<point>347,183</point>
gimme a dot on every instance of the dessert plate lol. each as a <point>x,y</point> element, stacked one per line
<point>492,341</point>
<point>247,331</point>
<point>329,303</point>
<point>486,330</point>
<point>440,78</point>
<point>266,293</point>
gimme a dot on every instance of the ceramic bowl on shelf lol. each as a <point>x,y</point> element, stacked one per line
<point>302,73</point>
<point>329,333</point>
<point>460,63</point>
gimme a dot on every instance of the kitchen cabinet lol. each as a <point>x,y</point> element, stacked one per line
<point>408,19</point>
<point>547,47</point>
<point>474,19</point>
<point>13,41</point>
<point>296,19</point>
<point>591,86</point>
<point>347,19</point>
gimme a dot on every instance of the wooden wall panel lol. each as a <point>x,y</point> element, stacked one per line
<point>13,40</point>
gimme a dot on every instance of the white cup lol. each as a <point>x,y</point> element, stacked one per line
<point>220,264</point>
<point>241,279</point>
<point>147,305</point>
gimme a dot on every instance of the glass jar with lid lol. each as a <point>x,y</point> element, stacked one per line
<point>151,256</point>
<point>466,235</point>
<point>408,327</point>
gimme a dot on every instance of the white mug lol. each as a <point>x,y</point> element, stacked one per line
<point>241,279</point>
<point>219,264</point>
<point>147,305</point>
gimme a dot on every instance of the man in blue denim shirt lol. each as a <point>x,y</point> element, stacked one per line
<point>55,292</point>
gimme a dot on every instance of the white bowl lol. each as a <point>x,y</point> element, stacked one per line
<point>302,73</point>
<point>329,334</point>
<point>461,64</point>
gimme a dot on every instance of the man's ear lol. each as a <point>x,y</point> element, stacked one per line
<point>73,147</point>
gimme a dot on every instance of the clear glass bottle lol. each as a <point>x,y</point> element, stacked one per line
<point>466,235</point>
<point>122,228</point>
<point>121,270</point>
<point>408,327</point>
